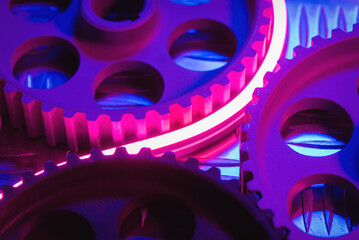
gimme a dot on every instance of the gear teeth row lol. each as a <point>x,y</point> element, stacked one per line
<point>84,131</point>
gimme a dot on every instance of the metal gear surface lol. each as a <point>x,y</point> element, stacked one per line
<point>314,94</point>
<point>122,194</point>
<point>92,49</point>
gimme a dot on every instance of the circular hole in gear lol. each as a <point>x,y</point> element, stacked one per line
<point>45,62</point>
<point>157,217</point>
<point>202,45</point>
<point>38,10</point>
<point>58,225</point>
<point>191,2</point>
<point>324,206</point>
<point>316,127</point>
<point>118,10</point>
<point>127,85</point>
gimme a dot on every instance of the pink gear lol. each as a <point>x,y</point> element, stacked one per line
<point>317,93</point>
<point>76,120</point>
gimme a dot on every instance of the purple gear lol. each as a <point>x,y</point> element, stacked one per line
<point>317,93</point>
<point>169,199</point>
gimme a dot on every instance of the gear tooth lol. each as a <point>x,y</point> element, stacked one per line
<point>258,92</point>
<point>192,163</point>
<point>283,62</point>
<point>54,124</point>
<point>121,152</point>
<point>145,153</point>
<point>268,214</point>
<point>299,50</point>
<point>213,173</point>
<point>14,107</point>
<point>250,109</point>
<point>317,40</point>
<point>96,154</point>
<point>49,166</point>
<point>76,130</point>
<point>169,156</point>
<point>176,115</point>
<point>253,196</point>
<point>129,127</point>
<point>233,184</point>
<point>27,177</point>
<point>72,158</point>
<point>33,116</point>
<point>337,32</point>
<point>153,121</point>
<point>6,190</point>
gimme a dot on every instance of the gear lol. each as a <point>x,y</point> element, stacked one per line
<point>53,70</point>
<point>299,140</point>
<point>154,197</point>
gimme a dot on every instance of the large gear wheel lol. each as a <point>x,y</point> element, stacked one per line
<point>127,196</point>
<point>76,52</point>
<point>300,142</point>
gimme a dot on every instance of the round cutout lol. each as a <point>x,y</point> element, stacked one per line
<point>38,10</point>
<point>45,62</point>
<point>202,45</point>
<point>117,11</point>
<point>316,127</point>
<point>127,85</point>
<point>327,206</point>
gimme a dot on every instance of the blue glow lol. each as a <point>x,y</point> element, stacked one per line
<point>123,101</point>
<point>318,228</point>
<point>315,144</point>
<point>36,12</point>
<point>201,60</point>
<point>191,2</point>
<point>42,78</point>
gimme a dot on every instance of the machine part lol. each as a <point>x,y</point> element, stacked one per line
<point>129,196</point>
<point>108,75</point>
<point>300,140</point>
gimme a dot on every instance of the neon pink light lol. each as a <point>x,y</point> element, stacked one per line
<point>61,164</point>
<point>18,184</point>
<point>1,196</point>
<point>39,173</point>
<point>234,106</point>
